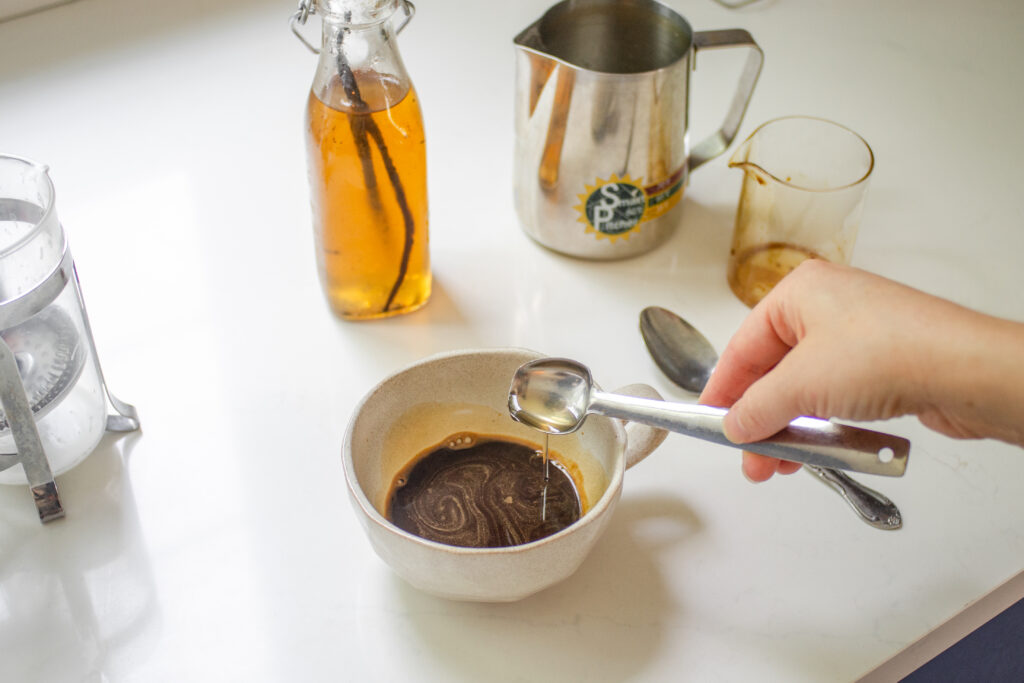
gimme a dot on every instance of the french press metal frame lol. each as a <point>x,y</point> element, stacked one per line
<point>13,398</point>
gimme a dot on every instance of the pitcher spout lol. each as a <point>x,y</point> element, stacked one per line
<point>541,64</point>
<point>530,39</point>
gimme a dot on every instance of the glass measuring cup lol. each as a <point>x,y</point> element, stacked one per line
<point>804,186</point>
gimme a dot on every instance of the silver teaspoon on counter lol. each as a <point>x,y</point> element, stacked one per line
<point>687,358</point>
<point>555,395</point>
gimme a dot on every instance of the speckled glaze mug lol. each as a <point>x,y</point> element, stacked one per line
<point>461,391</point>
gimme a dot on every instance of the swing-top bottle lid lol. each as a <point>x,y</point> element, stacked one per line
<point>357,12</point>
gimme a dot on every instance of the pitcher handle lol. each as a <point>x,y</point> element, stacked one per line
<point>713,145</point>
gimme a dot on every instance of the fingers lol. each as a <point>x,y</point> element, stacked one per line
<point>754,350</point>
<point>788,467</point>
<point>758,468</point>
<point>771,402</point>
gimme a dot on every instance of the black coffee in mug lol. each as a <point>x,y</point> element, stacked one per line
<point>483,492</point>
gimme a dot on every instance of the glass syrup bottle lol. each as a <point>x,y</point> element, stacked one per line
<point>366,157</point>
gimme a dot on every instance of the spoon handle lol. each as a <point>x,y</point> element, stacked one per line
<point>807,440</point>
<point>872,506</point>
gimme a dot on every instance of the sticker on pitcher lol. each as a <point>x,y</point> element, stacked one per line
<point>615,208</point>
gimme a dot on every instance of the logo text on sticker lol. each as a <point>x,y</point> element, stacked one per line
<point>615,208</point>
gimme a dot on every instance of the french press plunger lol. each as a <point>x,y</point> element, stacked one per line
<point>53,399</point>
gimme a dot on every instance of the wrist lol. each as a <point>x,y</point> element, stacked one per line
<point>975,384</point>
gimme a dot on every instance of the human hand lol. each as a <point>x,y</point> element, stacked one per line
<point>833,341</point>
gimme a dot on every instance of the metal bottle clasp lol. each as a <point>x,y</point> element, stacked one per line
<point>308,7</point>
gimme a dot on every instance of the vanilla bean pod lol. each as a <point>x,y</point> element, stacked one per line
<point>367,128</point>
<point>403,204</point>
<point>357,125</point>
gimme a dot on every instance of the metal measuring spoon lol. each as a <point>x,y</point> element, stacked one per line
<point>687,358</point>
<point>554,395</point>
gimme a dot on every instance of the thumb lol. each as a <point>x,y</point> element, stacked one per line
<point>766,407</point>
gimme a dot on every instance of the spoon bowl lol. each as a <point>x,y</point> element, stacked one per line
<point>678,348</point>
<point>551,394</point>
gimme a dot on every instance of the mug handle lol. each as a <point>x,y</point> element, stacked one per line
<point>641,440</point>
<point>713,145</point>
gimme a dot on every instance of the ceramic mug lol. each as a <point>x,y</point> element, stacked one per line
<point>467,391</point>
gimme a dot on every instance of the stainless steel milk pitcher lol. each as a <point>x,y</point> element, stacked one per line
<point>602,154</point>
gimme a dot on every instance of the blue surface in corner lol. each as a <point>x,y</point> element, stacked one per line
<point>993,653</point>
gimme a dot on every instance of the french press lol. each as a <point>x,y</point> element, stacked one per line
<point>53,399</point>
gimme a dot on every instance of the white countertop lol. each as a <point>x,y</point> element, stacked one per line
<point>218,544</point>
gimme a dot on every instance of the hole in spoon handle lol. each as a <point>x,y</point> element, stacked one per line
<point>827,444</point>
